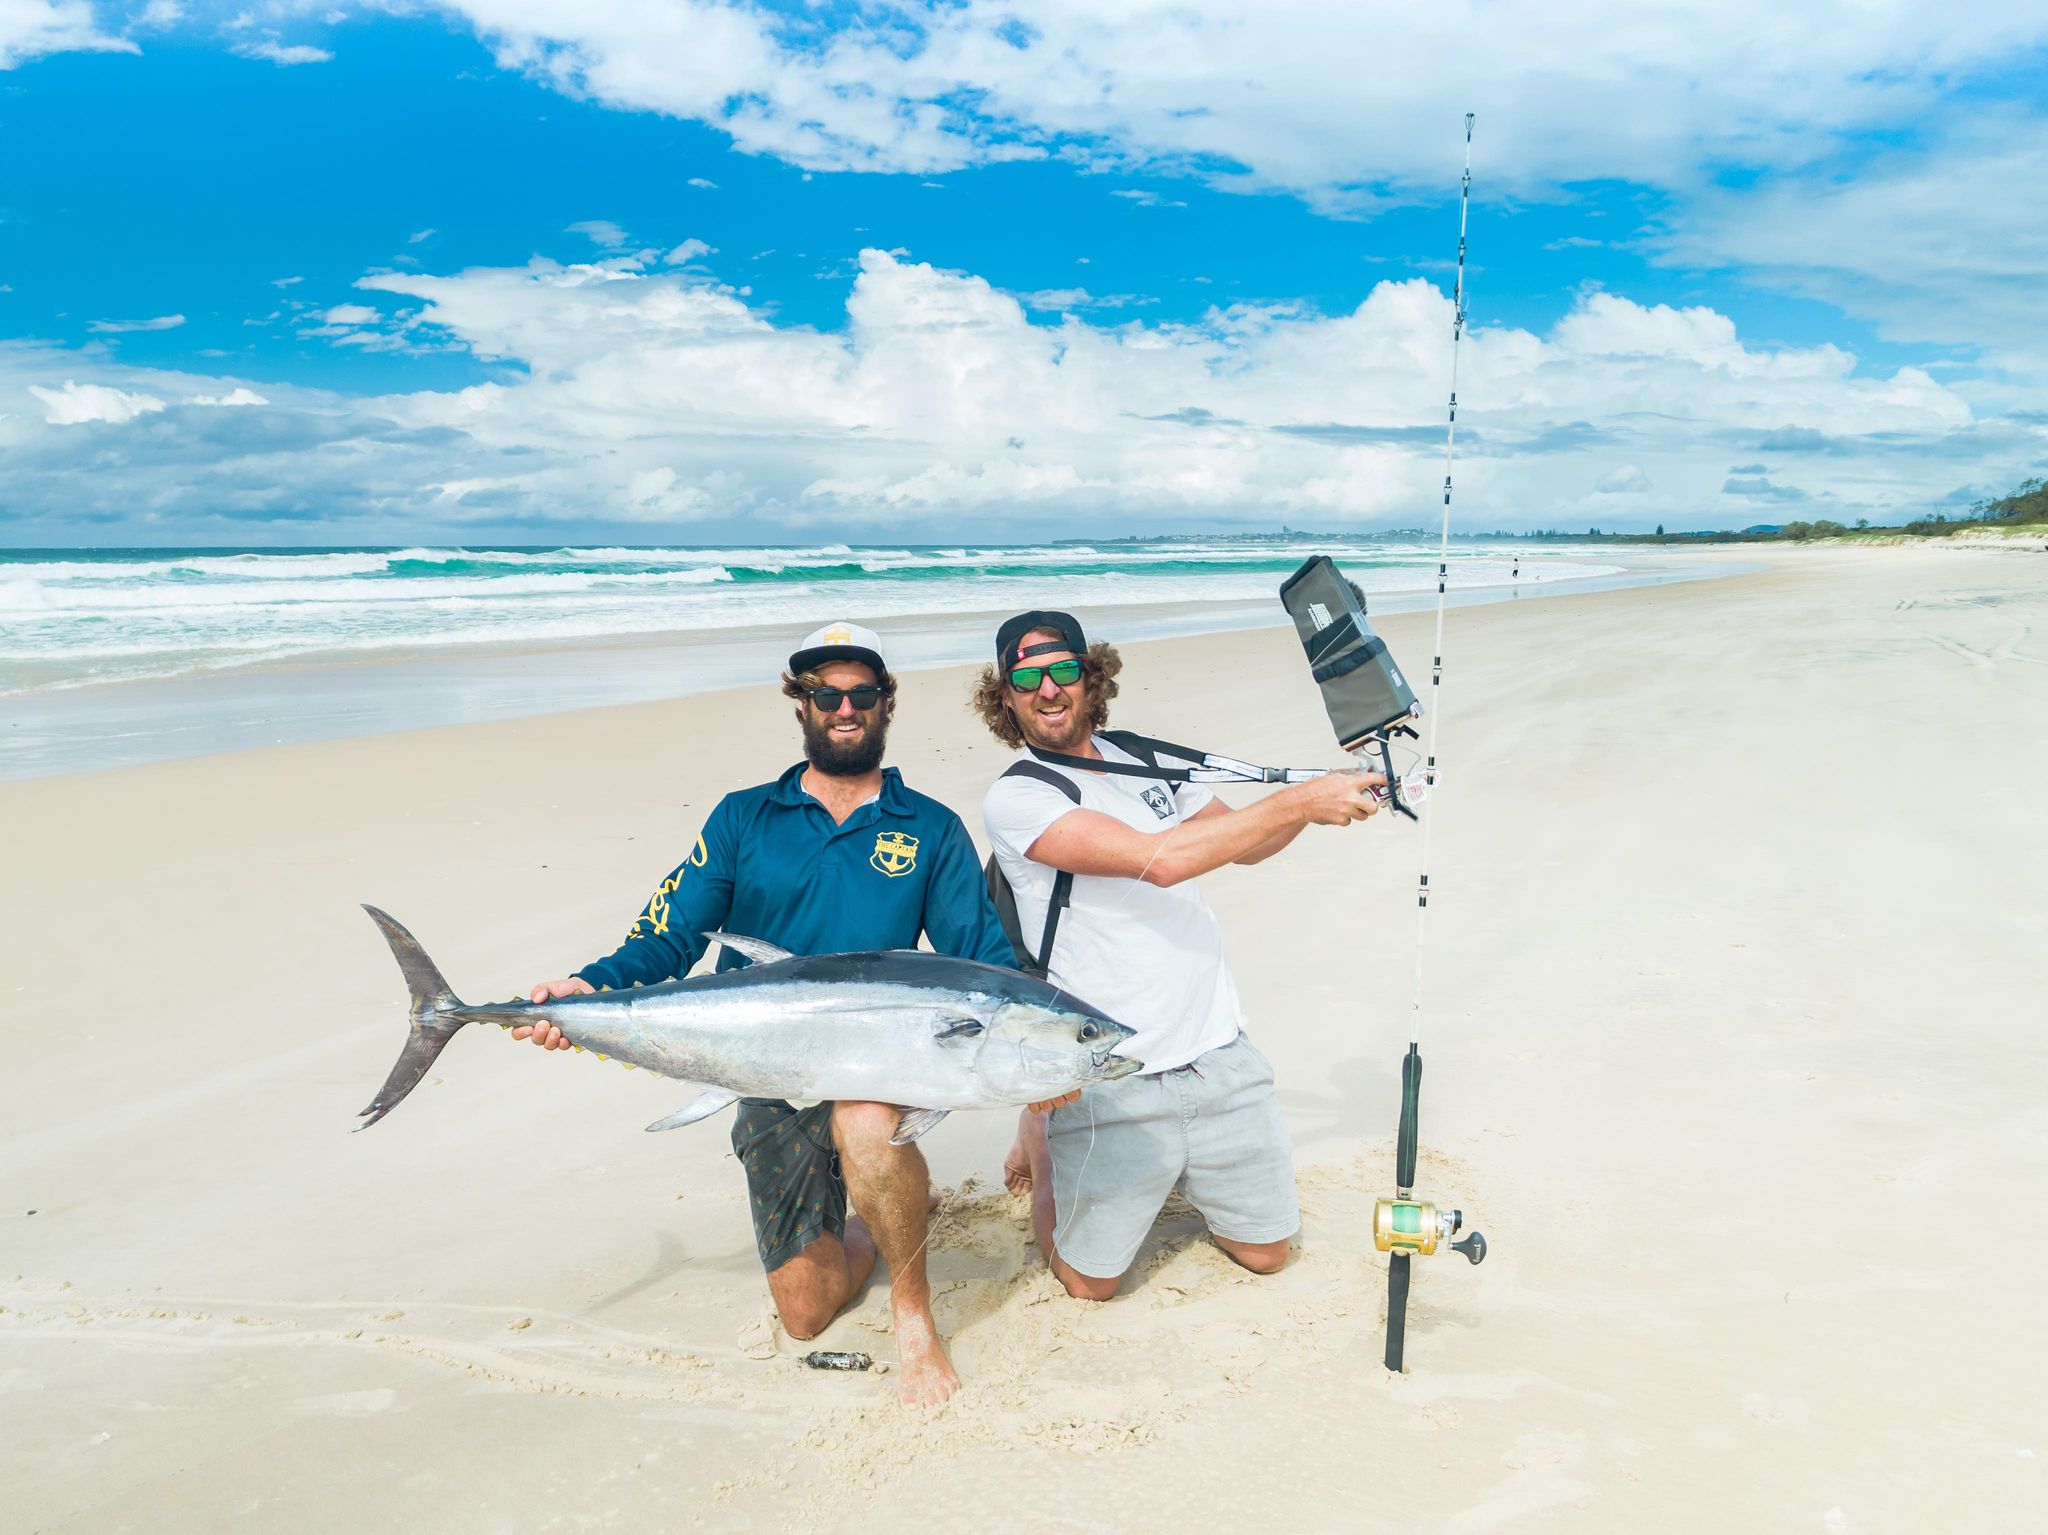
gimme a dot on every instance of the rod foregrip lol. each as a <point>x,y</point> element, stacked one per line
<point>1411,1112</point>
<point>1397,1309</point>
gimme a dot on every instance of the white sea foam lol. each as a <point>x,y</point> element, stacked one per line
<point>70,621</point>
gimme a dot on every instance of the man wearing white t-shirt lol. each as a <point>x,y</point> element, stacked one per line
<point>1135,939</point>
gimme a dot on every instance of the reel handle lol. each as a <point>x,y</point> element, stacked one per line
<point>1473,1247</point>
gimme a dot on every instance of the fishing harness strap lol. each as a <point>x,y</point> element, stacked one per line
<point>1205,767</point>
<point>1038,961</point>
<point>1210,767</point>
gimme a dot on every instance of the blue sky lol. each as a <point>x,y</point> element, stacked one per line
<point>338,214</point>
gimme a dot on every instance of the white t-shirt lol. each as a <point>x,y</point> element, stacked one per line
<point>1150,958</point>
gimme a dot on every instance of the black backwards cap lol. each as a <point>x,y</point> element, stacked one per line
<point>1065,625</point>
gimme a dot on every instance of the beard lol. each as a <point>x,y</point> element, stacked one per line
<point>1062,738</point>
<point>844,759</point>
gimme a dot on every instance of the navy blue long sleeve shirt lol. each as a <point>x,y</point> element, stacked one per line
<point>771,863</point>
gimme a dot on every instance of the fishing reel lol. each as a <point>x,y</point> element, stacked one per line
<point>1417,1226</point>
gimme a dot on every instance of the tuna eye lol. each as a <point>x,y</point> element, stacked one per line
<point>1089,1031</point>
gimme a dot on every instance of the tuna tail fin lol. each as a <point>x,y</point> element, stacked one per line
<point>432,1024</point>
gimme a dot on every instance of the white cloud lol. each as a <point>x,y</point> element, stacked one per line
<point>1066,299</point>
<point>32,28</point>
<point>237,396</point>
<point>122,327</point>
<point>1946,244</point>
<point>688,251</point>
<point>350,314</point>
<point>420,234</point>
<point>284,53</point>
<point>1353,108</point>
<point>1146,199</point>
<point>1323,97</point>
<point>285,282</point>
<point>159,14</point>
<point>703,185</point>
<point>75,404</point>
<point>661,395</point>
<point>601,232</point>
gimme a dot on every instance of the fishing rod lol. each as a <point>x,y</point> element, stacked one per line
<point>1404,1226</point>
<point>1369,703</point>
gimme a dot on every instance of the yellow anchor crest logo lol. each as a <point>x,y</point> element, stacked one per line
<point>895,853</point>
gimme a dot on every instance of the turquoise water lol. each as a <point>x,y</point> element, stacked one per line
<point>70,617</point>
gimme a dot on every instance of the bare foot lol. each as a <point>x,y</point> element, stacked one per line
<point>928,1377</point>
<point>1017,1162</point>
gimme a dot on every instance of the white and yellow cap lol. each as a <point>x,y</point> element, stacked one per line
<point>840,641</point>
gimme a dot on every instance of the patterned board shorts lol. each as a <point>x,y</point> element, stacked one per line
<point>793,1179</point>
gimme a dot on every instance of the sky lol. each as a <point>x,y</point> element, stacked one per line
<point>660,271</point>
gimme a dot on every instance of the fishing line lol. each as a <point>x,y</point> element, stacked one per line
<point>1435,711</point>
<point>1081,1177</point>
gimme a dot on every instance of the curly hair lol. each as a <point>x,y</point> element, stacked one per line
<point>990,699</point>
<point>798,688</point>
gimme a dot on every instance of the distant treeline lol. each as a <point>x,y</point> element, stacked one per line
<point>2025,507</point>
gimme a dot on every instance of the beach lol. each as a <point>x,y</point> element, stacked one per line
<point>1731,999</point>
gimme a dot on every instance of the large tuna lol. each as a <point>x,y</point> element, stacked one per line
<point>925,1031</point>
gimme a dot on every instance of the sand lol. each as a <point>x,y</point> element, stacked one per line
<point>1733,999</point>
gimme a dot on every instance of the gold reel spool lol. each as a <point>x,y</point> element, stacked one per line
<point>1417,1226</point>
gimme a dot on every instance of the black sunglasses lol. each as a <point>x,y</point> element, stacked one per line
<point>1025,679</point>
<point>864,697</point>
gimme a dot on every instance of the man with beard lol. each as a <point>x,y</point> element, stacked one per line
<point>836,856</point>
<point>1114,856</point>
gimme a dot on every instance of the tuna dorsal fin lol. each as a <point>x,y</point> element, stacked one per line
<point>914,1123</point>
<point>703,1106</point>
<point>759,951</point>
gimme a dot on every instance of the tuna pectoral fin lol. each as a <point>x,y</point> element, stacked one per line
<point>703,1106</point>
<point>957,1028</point>
<point>914,1123</point>
<point>759,951</point>
<point>432,1006</point>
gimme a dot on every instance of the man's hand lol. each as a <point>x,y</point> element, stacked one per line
<point>546,1035</point>
<point>1053,1103</point>
<point>1337,799</point>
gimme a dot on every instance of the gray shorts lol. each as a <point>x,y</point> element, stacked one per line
<point>1212,1129</point>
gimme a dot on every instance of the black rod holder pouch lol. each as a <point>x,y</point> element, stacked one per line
<point>1363,690</point>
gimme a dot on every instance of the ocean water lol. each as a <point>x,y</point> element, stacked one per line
<point>75,617</point>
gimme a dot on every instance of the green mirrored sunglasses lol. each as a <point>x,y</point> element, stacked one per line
<point>1025,679</point>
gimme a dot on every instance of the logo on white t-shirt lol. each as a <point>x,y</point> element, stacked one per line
<point>1158,799</point>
